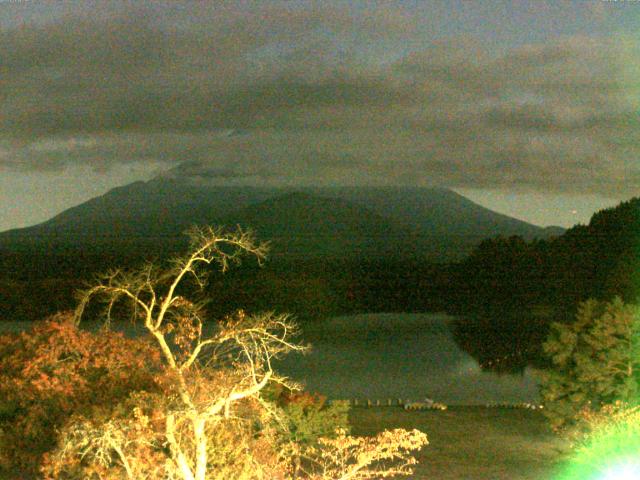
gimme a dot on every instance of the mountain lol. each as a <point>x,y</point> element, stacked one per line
<point>438,212</point>
<point>433,222</point>
<point>298,223</point>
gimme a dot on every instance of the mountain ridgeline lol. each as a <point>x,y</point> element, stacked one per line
<point>430,223</point>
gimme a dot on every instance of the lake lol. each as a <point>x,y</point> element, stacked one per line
<point>380,356</point>
<point>408,356</point>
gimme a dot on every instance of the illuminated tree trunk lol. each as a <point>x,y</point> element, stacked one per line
<point>177,454</point>
<point>201,448</point>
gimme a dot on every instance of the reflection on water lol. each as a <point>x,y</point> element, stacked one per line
<point>504,341</point>
<point>412,356</point>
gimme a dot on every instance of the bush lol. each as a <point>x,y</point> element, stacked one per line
<point>310,417</point>
<point>54,371</point>
<point>595,362</point>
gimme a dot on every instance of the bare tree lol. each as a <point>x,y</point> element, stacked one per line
<point>212,376</point>
<point>243,346</point>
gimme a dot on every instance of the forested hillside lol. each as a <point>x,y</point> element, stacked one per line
<point>599,260</point>
<point>511,290</point>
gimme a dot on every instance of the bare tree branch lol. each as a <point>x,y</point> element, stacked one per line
<point>210,380</point>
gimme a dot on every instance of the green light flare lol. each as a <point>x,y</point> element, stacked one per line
<point>611,468</point>
<point>624,471</point>
<point>612,453</point>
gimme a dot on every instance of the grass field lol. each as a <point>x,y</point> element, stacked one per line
<point>473,443</point>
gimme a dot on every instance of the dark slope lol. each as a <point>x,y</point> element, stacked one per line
<point>144,209</point>
<point>427,221</point>
<point>438,212</point>
<point>603,257</point>
<point>599,260</point>
<point>511,291</point>
<point>299,223</point>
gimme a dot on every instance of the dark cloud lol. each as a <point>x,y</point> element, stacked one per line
<point>312,95</point>
<point>205,171</point>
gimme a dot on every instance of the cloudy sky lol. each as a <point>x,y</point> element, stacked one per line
<point>528,107</point>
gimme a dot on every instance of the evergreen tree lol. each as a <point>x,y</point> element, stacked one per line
<point>595,361</point>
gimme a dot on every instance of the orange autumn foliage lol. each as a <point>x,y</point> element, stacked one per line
<point>56,370</point>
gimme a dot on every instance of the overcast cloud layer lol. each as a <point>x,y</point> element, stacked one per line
<point>316,95</point>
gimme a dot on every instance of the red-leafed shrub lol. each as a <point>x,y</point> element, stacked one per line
<point>302,398</point>
<point>56,370</point>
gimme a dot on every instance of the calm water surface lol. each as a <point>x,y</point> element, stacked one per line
<point>412,356</point>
